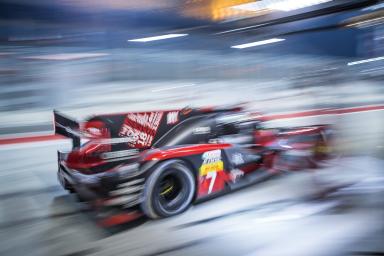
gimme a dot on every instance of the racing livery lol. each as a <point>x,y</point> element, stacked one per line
<point>160,162</point>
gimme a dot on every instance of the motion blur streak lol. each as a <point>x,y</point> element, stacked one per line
<point>66,56</point>
<point>269,41</point>
<point>365,61</point>
<point>250,127</point>
<point>289,5</point>
<point>281,5</point>
<point>155,38</point>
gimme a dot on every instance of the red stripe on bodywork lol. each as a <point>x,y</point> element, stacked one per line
<point>183,151</point>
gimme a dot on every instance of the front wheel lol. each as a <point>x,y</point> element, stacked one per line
<point>169,190</point>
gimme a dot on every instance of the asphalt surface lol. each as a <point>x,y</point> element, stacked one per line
<point>336,211</point>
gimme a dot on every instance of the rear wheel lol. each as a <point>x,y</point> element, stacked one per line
<point>169,190</point>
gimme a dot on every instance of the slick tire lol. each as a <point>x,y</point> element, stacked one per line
<point>169,190</point>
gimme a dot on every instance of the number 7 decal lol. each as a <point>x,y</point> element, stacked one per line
<point>212,176</point>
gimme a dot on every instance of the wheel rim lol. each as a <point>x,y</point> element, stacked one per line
<point>170,188</point>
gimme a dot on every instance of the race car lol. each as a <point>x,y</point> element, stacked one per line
<point>160,162</point>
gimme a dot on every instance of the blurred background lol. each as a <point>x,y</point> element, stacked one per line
<point>296,59</point>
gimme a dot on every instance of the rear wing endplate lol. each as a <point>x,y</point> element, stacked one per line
<point>67,127</point>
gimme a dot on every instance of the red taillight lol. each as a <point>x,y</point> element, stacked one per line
<point>87,157</point>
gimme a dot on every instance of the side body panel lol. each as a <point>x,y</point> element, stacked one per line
<point>217,167</point>
<point>142,128</point>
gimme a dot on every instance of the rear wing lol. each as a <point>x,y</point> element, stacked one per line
<point>67,127</point>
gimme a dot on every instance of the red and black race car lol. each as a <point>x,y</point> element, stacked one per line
<point>160,162</point>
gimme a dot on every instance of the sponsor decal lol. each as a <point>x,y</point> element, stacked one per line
<point>149,120</point>
<point>235,174</point>
<point>141,128</point>
<point>211,162</point>
<point>136,137</point>
<point>215,141</point>
<point>237,159</point>
<point>173,117</point>
<point>186,111</point>
<point>94,131</point>
<point>211,172</point>
<point>202,130</point>
<point>118,154</point>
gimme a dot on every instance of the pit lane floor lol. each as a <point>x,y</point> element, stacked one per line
<point>336,211</point>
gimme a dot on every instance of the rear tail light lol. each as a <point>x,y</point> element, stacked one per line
<point>90,153</point>
<point>87,156</point>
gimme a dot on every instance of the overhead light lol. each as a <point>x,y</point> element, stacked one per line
<point>253,6</point>
<point>282,5</point>
<point>269,41</point>
<point>365,61</point>
<point>155,38</point>
<point>289,5</point>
